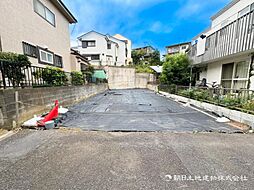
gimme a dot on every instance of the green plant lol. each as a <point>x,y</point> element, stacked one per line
<point>176,70</point>
<point>249,105</point>
<point>52,76</point>
<point>143,69</point>
<point>14,66</point>
<point>230,100</point>
<point>77,78</point>
<point>88,72</point>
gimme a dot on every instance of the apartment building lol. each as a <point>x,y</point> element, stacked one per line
<point>104,50</point>
<point>147,49</point>
<point>224,52</point>
<point>178,48</point>
<point>38,29</point>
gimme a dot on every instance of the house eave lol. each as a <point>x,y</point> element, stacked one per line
<point>65,11</point>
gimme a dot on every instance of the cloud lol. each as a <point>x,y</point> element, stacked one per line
<point>158,27</point>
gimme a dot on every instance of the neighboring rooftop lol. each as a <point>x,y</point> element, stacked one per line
<point>231,4</point>
<point>183,43</point>
<point>144,48</point>
<point>105,35</point>
<point>157,69</point>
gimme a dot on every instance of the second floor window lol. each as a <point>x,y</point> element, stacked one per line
<point>44,12</point>
<point>109,45</point>
<point>90,43</point>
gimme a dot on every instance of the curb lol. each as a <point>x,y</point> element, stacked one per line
<point>10,133</point>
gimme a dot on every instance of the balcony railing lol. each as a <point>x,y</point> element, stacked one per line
<point>235,37</point>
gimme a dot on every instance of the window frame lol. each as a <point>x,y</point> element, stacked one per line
<point>35,55</point>
<point>233,79</point>
<point>47,52</point>
<point>45,14</point>
<point>109,45</point>
<point>55,60</point>
<point>86,42</point>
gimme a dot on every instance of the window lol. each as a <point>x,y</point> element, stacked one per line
<point>109,45</point>
<point>95,57</point>
<point>44,12</point>
<point>46,57</point>
<point>29,49</point>
<point>58,61</point>
<point>184,47</point>
<point>90,43</point>
<point>227,74</point>
<point>235,75</point>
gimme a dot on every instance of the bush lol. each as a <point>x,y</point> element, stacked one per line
<point>14,67</point>
<point>197,94</point>
<point>230,100</point>
<point>144,69</point>
<point>176,70</point>
<point>249,105</point>
<point>77,78</point>
<point>88,73</point>
<point>52,76</point>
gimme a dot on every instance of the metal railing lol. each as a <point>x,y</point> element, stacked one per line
<point>28,77</point>
<point>240,99</point>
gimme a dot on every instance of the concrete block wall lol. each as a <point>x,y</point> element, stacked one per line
<point>234,115</point>
<point>38,100</point>
<point>127,78</point>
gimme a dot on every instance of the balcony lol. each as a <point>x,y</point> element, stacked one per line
<point>236,37</point>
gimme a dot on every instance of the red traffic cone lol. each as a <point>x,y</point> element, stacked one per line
<point>53,114</point>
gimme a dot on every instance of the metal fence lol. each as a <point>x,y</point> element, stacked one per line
<point>241,99</point>
<point>28,76</point>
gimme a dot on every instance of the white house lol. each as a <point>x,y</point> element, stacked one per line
<point>178,48</point>
<point>103,50</point>
<point>224,52</point>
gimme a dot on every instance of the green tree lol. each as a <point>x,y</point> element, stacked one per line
<point>77,78</point>
<point>140,58</point>
<point>88,72</point>
<point>176,70</point>
<point>13,66</point>
<point>155,59</point>
<point>137,56</point>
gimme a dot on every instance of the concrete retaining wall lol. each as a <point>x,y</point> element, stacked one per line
<point>36,101</point>
<point>127,78</point>
<point>234,115</point>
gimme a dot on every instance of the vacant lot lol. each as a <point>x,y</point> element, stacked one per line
<point>139,110</point>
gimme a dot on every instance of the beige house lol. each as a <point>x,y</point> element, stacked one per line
<point>78,61</point>
<point>37,28</point>
<point>178,48</point>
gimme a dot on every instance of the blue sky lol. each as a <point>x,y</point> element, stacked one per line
<point>146,22</point>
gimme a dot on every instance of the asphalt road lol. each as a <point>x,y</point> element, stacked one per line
<point>79,157</point>
<point>66,159</point>
<point>139,110</point>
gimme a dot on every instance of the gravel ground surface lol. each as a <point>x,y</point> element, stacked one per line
<point>67,159</point>
<point>139,110</point>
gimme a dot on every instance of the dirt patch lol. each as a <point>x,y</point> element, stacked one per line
<point>239,125</point>
<point>3,132</point>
